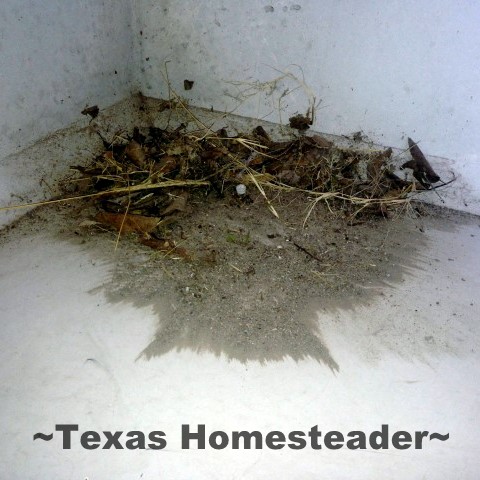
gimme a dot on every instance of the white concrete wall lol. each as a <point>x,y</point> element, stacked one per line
<point>56,56</point>
<point>392,69</point>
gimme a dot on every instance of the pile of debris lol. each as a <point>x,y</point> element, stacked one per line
<point>143,180</point>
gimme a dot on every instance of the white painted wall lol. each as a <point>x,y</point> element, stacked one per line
<point>392,69</point>
<point>56,56</point>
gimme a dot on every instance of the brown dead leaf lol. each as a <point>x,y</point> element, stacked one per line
<point>166,165</point>
<point>136,153</point>
<point>256,161</point>
<point>128,223</point>
<point>108,155</point>
<point>213,154</point>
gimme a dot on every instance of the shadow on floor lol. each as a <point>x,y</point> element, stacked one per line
<point>254,337</point>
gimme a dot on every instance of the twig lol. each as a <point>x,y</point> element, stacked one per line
<point>114,191</point>
<point>310,254</point>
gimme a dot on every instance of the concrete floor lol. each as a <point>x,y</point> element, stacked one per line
<point>409,360</point>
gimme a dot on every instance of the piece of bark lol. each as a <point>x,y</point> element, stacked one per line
<point>422,170</point>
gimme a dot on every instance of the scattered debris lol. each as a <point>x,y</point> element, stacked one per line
<point>236,277</point>
<point>146,179</point>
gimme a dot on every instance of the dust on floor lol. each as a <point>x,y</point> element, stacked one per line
<point>254,283</point>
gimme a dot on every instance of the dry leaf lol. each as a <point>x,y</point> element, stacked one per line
<point>422,170</point>
<point>136,153</point>
<point>108,155</point>
<point>166,164</point>
<point>128,223</point>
